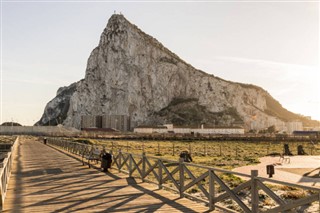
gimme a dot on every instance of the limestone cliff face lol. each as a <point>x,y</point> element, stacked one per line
<point>132,73</point>
<point>57,109</point>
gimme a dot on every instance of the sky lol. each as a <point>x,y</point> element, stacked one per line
<point>273,44</point>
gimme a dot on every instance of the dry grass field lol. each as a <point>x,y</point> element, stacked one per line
<point>224,154</point>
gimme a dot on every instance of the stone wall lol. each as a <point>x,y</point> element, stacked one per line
<point>38,130</point>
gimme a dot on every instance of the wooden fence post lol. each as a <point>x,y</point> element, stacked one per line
<point>181,177</point>
<point>160,174</point>
<point>236,152</point>
<point>143,147</point>
<point>211,190</point>
<point>172,148</point>
<point>254,191</point>
<point>127,146</point>
<point>130,165</point>
<point>143,165</point>
<point>119,156</point>
<point>205,149</point>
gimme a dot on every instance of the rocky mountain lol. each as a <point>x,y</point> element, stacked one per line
<point>131,73</point>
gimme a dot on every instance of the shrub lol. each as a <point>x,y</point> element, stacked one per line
<point>294,195</point>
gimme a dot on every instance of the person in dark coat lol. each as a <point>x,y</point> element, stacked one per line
<point>186,156</point>
<point>301,150</point>
<point>106,160</point>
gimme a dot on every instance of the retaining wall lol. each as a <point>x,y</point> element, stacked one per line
<point>37,130</point>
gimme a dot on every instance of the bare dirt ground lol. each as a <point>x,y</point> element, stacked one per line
<point>304,170</point>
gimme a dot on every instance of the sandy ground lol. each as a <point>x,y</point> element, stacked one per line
<point>304,170</point>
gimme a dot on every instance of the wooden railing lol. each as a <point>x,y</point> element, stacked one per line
<point>209,184</point>
<point>5,172</point>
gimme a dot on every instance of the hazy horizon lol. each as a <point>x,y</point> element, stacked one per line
<point>45,45</point>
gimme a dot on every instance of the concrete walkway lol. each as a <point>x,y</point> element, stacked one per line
<point>302,170</point>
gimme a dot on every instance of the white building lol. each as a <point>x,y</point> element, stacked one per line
<point>151,129</point>
<point>294,126</point>
<point>169,128</point>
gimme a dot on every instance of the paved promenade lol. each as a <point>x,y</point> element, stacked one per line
<point>46,180</point>
<point>304,170</point>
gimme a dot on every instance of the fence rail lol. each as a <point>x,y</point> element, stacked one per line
<point>203,183</point>
<point>5,172</point>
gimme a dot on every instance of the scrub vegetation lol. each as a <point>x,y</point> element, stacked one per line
<point>223,154</point>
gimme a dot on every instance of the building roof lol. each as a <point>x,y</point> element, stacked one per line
<point>208,127</point>
<point>189,127</point>
<point>94,129</point>
<point>151,127</point>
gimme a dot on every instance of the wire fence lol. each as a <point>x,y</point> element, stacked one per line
<point>222,154</point>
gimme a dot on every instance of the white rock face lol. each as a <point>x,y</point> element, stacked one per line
<point>131,73</point>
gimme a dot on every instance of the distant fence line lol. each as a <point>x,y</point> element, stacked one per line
<point>216,192</point>
<point>208,148</point>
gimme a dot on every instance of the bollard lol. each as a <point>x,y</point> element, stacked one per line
<point>270,170</point>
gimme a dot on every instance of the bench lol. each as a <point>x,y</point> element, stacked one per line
<point>94,154</point>
<point>284,159</point>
